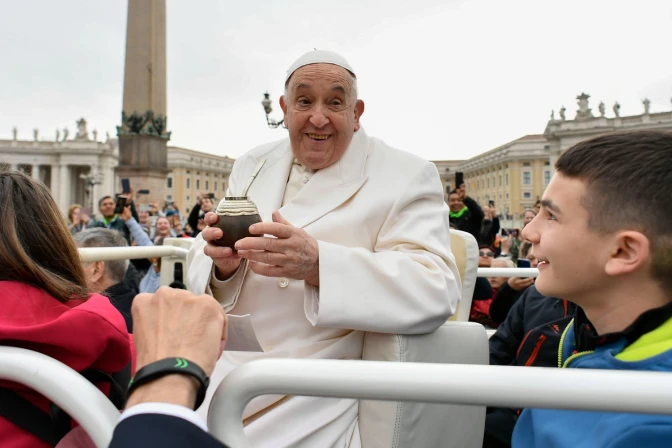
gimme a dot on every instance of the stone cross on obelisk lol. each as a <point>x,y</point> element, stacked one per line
<point>143,134</point>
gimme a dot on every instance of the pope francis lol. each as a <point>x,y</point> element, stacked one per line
<point>355,240</point>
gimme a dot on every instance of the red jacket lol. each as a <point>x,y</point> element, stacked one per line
<point>80,333</point>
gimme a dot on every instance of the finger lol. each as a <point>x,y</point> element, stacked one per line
<point>212,234</point>
<point>211,218</point>
<point>267,270</point>
<point>272,228</point>
<point>219,252</point>
<point>271,258</point>
<point>261,243</point>
<point>277,217</point>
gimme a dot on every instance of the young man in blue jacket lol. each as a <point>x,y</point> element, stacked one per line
<point>604,241</point>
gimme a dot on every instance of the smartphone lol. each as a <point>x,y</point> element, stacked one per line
<point>211,195</point>
<point>459,179</point>
<point>143,191</point>
<point>125,185</point>
<point>510,232</point>
<point>491,203</point>
<point>145,208</point>
<point>121,203</point>
<point>524,263</point>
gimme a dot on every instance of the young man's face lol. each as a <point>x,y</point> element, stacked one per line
<point>571,257</point>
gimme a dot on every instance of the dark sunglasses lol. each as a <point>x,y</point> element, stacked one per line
<point>485,254</point>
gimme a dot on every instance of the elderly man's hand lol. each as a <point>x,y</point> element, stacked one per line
<point>174,323</point>
<point>226,261</point>
<point>292,254</point>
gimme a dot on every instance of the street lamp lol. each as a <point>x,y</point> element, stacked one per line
<point>266,102</point>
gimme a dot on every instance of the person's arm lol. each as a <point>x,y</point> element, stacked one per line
<point>510,333</point>
<point>494,230</point>
<point>171,324</point>
<point>504,300</point>
<point>136,231</point>
<point>193,216</point>
<point>477,216</point>
<point>408,284</point>
<point>134,212</point>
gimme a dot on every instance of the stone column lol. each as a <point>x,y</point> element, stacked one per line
<point>64,187</point>
<point>55,179</point>
<point>35,172</point>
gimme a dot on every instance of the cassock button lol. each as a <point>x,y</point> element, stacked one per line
<point>283,282</point>
<point>305,180</point>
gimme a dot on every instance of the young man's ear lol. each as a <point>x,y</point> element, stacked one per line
<point>631,251</point>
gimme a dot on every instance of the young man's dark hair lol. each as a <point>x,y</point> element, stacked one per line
<point>629,180</point>
<point>604,241</point>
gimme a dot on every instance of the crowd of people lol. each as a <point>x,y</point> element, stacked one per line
<point>344,247</point>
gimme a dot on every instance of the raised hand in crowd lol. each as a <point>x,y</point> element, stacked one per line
<point>126,214</point>
<point>519,284</point>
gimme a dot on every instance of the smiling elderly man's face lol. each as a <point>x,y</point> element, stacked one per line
<point>321,113</point>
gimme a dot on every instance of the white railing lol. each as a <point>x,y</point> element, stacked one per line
<point>508,272</point>
<point>502,386</point>
<point>130,253</point>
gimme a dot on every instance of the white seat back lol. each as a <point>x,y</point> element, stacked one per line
<point>385,424</point>
<point>63,386</point>
<point>465,250</point>
<point>168,264</point>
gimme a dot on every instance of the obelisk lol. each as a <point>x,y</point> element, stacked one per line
<point>143,134</point>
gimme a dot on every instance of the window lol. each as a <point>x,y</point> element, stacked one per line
<point>188,183</point>
<point>526,163</point>
<point>527,195</point>
<point>500,180</point>
<point>207,185</point>
<point>493,181</point>
<point>224,185</point>
<point>507,196</point>
<point>215,187</point>
<point>547,177</point>
<point>507,179</point>
<point>169,182</point>
<point>188,198</point>
<point>198,184</point>
<point>527,178</point>
<point>488,182</point>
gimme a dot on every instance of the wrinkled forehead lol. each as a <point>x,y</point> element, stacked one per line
<point>308,76</point>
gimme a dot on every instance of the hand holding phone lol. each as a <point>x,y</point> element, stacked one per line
<point>121,203</point>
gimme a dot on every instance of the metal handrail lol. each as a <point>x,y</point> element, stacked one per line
<point>501,386</point>
<point>130,253</point>
<point>508,272</point>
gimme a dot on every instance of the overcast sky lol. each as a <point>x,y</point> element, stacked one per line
<point>442,79</point>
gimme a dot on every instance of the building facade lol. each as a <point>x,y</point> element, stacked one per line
<point>516,174</point>
<point>79,170</point>
<point>192,172</point>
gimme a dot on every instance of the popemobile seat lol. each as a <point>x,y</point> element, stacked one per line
<point>63,386</point>
<point>384,424</point>
<point>174,268</point>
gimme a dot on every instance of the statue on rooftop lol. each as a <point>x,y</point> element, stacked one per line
<point>647,105</point>
<point>95,135</point>
<point>552,115</point>
<point>58,134</point>
<point>36,134</point>
<point>82,133</point>
<point>15,132</point>
<point>562,113</point>
<point>617,109</point>
<point>601,109</point>
<point>584,111</point>
<point>65,133</point>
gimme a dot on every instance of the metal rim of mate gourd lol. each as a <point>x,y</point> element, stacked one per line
<point>236,206</point>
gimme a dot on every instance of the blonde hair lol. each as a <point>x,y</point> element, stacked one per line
<point>72,209</point>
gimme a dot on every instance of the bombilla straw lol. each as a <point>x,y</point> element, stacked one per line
<point>253,176</point>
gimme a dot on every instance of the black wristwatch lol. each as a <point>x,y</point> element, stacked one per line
<point>171,366</point>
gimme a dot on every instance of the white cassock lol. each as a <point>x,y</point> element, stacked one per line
<point>385,266</point>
